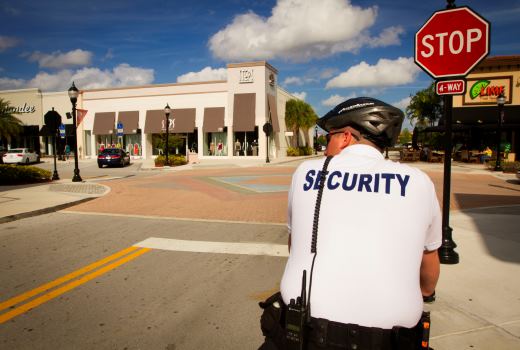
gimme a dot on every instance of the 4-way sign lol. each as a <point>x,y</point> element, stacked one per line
<point>452,42</point>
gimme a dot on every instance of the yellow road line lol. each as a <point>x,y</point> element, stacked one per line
<point>71,285</point>
<point>43,288</point>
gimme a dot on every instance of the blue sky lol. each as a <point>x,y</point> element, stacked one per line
<point>325,50</point>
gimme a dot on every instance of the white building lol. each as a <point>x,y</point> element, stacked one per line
<point>215,119</point>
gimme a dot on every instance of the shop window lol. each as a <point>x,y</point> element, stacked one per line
<point>245,143</point>
<point>176,144</point>
<point>132,143</point>
<point>215,143</point>
<point>105,141</point>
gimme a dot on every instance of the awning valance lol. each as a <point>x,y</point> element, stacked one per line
<point>130,121</point>
<point>104,123</point>
<point>244,112</point>
<point>213,119</point>
<point>181,121</point>
<point>271,101</point>
<point>155,121</point>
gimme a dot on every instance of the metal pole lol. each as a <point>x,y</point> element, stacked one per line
<point>267,149</point>
<point>167,162</point>
<point>55,175</point>
<point>76,177</point>
<point>447,253</point>
<point>498,166</point>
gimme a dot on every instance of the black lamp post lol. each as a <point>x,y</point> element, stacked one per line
<point>501,100</point>
<point>73,95</point>
<point>316,138</point>
<point>167,111</point>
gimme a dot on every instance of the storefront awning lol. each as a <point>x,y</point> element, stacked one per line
<point>154,122</point>
<point>130,121</point>
<point>213,119</point>
<point>244,112</point>
<point>104,123</point>
<point>183,120</point>
<point>274,114</point>
<point>485,115</point>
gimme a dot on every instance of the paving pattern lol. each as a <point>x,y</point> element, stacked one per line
<point>259,194</point>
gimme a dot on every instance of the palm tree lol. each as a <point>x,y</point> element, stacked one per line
<point>424,107</point>
<point>9,124</point>
<point>299,115</point>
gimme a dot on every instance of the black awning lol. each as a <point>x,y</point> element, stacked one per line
<point>485,115</point>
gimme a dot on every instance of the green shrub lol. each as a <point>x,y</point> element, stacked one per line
<point>306,151</point>
<point>11,174</point>
<point>300,151</point>
<point>293,152</point>
<point>174,160</point>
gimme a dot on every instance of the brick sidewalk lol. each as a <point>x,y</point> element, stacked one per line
<point>258,194</point>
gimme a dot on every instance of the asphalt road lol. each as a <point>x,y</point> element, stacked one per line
<point>90,170</point>
<point>161,299</point>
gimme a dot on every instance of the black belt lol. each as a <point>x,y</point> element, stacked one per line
<point>325,333</point>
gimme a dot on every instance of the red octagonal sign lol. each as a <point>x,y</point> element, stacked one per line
<point>452,42</point>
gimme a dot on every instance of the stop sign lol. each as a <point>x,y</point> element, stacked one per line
<point>452,42</point>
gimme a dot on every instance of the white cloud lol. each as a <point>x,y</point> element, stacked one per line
<point>7,42</point>
<point>335,100</point>
<point>300,30</point>
<point>8,84</point>
<point>58,59</point>
<point>293,81</point>
<point>206,74</point>
<point>85,78</point>
<point>384,73</point>
<point>328,73</point>
<point>300,95</point>
<point>402,104</point>
<point>389,36</point>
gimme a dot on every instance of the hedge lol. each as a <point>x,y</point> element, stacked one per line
<point>507,167</point>
<point>174,160</point>
<point>11,174</point>
<point>302,151</point>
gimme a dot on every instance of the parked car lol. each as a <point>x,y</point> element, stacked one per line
<point>113,156</point>
<point>21,156</point>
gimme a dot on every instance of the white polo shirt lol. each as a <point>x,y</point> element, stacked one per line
<point>376,219</point>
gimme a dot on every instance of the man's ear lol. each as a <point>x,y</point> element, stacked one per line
<point>347,139</point>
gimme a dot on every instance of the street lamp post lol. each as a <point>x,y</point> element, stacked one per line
<point>167,111</point>
<point>73,95</point>
<point>501,100</point>
<point>316,138</point>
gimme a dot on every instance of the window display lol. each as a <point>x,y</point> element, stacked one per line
<point>215,143</point>
<point>246,143</point>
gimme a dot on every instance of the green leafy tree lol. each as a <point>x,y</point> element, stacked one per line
<point>424,107</point>
<point>405,136</point>
<point>299,115</point>
<point>10,125</point>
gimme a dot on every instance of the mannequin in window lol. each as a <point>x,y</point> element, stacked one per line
<point>220,147</point>
<point>211,149</point>
<point>238,148</point>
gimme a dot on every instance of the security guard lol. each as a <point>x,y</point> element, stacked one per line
<point>378,232</point>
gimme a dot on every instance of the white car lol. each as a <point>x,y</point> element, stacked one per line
<point>21,156</point>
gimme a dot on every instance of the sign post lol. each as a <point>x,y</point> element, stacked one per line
<point>448,46</point>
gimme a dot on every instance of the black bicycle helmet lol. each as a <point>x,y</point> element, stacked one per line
<point>376,120</point>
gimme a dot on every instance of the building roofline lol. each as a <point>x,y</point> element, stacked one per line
<point>252,64</point>
<point>155,85</point>
<point>20,91</point>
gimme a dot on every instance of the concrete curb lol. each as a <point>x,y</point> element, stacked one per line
<point>38,212</point>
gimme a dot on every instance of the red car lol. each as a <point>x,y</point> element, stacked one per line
<point>113,157</point>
